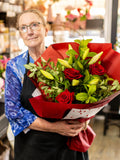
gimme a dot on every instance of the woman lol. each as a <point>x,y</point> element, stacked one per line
<point>35,137</point>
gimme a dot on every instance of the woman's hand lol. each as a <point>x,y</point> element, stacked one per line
<point>68,128</point>
<point>64,127</point>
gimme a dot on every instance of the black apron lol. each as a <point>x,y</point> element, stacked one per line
<point>39,145</point>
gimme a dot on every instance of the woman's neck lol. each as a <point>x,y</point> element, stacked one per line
<point>35,53</point>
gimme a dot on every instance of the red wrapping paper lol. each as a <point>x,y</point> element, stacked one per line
<point>83,141</point>
<point>57,110</point>
<point>110,60</point>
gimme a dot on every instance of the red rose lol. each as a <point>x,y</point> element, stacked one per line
<point>65,97</point>
<point>96,69</point>
<point>71,73</point>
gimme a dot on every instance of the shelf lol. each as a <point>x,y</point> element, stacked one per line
<point>8,32</point>
<point>3,126</point>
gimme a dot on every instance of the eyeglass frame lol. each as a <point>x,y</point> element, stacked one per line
<point>28,26</point>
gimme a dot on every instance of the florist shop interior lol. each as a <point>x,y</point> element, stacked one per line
<point>67,20</point>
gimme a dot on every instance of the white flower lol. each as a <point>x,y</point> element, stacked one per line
<point>2,82</point>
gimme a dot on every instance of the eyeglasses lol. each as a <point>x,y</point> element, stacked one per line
<point>32,26</point>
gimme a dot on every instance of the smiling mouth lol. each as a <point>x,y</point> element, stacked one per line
<point>32,38</point>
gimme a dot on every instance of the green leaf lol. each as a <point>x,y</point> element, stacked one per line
<point>70,60</point>
<point>92,99</point>
<point>96,76</point>
<point>39,64</point>
<point>44,64</point>
<point>33,69</point>
<point>116,83</point>
<point>82,96</point>
<point>44,87</point>
<point>83,43</point>
<point>52,64</point>
<point>113,88</point>
<point>61,79</point>
<point>94,81</point>
<point>31,74</point>
<point>103,87</point>
<point>43,60</point>
<point>38,73</point>
<point>86,87</point>
<point>92,89</point>
<point>67,84</point>
<point>95,58</point>
<point>71,52</point>
<point>103,82</point>
<point>88,100</point>
<point>27,66</point>
<point>87,76</point>
<point>80,65</point>
<point>59,91</point>
<point>32,64</point>
<point>109,79</point>
<point>118,88</point>
<point>91,54</point>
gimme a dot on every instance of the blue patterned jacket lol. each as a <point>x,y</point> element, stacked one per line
<point>18,117</point>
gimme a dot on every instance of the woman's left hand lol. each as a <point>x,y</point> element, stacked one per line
<point>83,124</point>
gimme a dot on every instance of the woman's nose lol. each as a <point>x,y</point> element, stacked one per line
<point>29,30</point>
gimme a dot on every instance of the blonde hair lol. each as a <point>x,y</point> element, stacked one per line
<point>35,11</point>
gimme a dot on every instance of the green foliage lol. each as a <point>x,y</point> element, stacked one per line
<point>88,89</point>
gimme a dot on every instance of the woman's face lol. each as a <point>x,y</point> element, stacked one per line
<point>34,35</point>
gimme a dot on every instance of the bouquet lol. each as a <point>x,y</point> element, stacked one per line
<point>76,80</point>
<point>3,62</point>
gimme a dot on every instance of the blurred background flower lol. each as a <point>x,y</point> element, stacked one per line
<point>3,62</point>
<point>84,12</point>
<point>71,17</point>
<point>76,17</point>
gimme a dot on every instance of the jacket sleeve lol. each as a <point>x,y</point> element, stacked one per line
<point>18,117</point>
